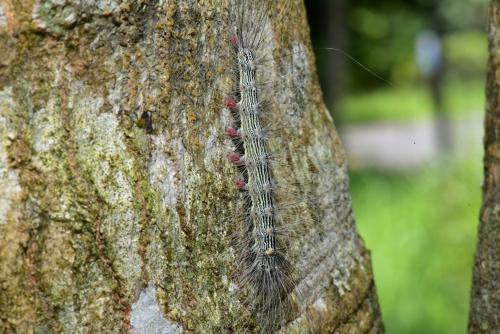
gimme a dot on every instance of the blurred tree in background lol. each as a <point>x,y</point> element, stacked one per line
<point>485,295</point>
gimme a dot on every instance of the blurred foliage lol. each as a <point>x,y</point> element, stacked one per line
<point>466,53</point>
<point>408,103</point>
<point>420,224</point>
<point>381,35</point>
<point>388,53</point>
<point>421,228</point>
<point>461,14</point>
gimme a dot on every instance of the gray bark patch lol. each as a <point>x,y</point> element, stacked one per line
<point>147,317</point>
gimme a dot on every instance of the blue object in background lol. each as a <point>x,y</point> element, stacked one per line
<point>428,52</point>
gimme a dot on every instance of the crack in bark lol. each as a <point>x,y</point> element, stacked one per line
<point>117,295</point>
<point>31,256</point>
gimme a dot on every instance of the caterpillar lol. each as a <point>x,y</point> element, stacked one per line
<point>264,265</point>
<point>297,235</point>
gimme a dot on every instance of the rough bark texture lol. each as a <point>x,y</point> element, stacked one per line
<point>116,199</point>
<point>485,296</point>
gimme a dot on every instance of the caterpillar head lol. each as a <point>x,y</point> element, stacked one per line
<point>246,58</point>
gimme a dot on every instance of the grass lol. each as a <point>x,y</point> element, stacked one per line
<point>421,229</point>
<point>411,103</point>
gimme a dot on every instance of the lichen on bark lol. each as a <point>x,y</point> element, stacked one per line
<point>112,150</point>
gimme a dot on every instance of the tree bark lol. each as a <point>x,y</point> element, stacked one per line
<point>485,298</point>
<point>116,198</point>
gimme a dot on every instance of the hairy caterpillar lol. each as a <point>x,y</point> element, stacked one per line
<point>264,265</point>
<point>297,235</point>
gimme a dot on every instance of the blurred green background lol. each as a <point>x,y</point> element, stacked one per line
<point>418,216</point>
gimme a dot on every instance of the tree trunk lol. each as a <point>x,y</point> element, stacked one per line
<point>485,297</point>
<point>116,197</point>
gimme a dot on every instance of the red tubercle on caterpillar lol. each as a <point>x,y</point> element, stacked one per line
<point>231,132</point>
<point>240,183</point>
<point>231,103</point>
<point>233,40</point>
<point>235,158</point>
